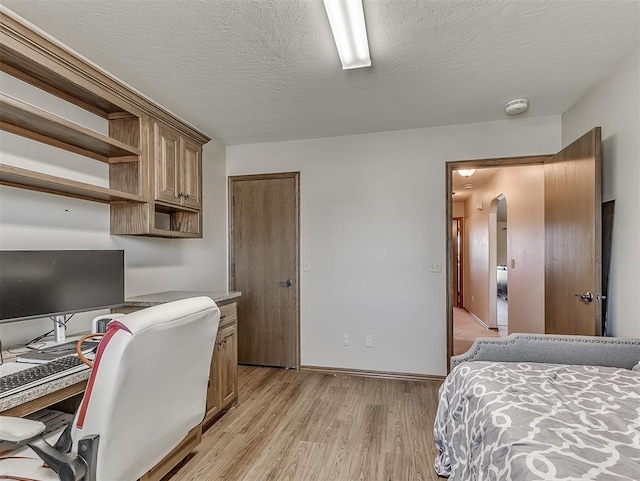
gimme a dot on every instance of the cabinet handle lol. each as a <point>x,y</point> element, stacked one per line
<point>186,196</point>
<point>223,316</point>
<point>180,194</point>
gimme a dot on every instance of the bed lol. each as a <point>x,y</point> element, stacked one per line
<point>541,407</point>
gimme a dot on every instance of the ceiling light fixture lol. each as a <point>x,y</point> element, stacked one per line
<point>346,18</point>
<point>466,172</point>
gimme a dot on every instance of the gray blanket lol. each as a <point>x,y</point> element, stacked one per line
<point>532,421</point>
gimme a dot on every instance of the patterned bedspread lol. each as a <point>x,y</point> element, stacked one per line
<point>528,421</point>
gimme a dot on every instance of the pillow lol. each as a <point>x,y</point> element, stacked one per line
<point>636,367</point>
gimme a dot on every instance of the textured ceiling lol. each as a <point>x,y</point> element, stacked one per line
<point>250,71</point>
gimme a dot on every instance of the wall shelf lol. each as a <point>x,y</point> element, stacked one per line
<point>132,149</point>
<point>37,124</point>
<point>175,234</point>
<point>27,179</point>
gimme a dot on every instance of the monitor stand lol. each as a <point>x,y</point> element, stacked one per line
<point>59,329</point>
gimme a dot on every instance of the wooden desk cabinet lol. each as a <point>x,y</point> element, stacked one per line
<point>222,393</point>
<point>223,382</point>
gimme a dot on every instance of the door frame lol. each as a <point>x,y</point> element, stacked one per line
<point>450,166</point>
<point>462,257</point>
<point>270,176</point>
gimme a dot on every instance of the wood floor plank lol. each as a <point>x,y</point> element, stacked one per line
<point>311,426</point>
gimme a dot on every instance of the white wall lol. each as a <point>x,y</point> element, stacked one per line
<point>33,220</point>
<point>372,219</point>
<point>614,105</point>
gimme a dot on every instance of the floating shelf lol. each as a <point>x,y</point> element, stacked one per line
<point>129,147</point>
<point>27,179</point>
<point>174,234</point>
<point>28,121</point>
<point>166,208</point>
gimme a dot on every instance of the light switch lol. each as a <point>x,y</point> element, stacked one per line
<point>513,263</point>
<point>306,267</point>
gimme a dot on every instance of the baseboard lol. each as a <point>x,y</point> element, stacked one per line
<point>481,322</point>
<point>402,376</point>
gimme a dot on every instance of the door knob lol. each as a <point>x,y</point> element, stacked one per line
<point>585,297</point>
<point>287,283</point>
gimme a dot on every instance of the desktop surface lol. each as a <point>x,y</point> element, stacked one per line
<point>33,398</point>
<point>11,366</point>
<point>39,374</point>
<point>55,351</point>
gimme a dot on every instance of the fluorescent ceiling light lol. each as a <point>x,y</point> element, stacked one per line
<point>349,31</point>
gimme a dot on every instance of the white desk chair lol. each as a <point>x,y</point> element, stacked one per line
<point>147,390</point>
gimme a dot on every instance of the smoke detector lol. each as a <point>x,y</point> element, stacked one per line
<point>516,106</point>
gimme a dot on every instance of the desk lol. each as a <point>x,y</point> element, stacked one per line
<point>223,386</point>
<point>222,393</point>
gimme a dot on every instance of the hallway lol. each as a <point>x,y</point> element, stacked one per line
<point>466,329</point>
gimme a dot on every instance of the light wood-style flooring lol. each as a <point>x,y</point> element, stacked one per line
<point>466,329</point>
<point>309,426</point>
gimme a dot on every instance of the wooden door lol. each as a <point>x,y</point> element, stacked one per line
<point>191,173</point>
<point>228,365</point>
<point>213,390</point>
<point>167,157</point>
<point>264,250</point>
<point>573,238</point>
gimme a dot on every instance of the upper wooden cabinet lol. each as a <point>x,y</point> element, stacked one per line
<point>155,158</point>
<point>191,174</point>
<point>178,168</point>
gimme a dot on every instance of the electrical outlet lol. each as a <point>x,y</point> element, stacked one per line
<point>369,340</point>
<point>345,340</point>
<point>435,266</point>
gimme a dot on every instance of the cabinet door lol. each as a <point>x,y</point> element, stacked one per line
<point>228,366</point>
<point>213,391</point>
<point>167,164</point>
<point>191,172</point>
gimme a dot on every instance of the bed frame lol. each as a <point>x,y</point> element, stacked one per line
<point>555,349</point>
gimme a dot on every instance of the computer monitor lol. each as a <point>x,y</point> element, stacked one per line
<point>54,283</point>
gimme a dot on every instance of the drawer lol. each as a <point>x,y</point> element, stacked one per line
<point>228,313</point>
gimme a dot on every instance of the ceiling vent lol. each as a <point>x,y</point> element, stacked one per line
<point>516,106</point>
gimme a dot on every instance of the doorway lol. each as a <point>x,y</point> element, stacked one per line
<point>471,323</point>
<point>264,246</point>
<point>572,299</point>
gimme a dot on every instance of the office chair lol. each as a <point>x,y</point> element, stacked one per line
<point>146,391</point>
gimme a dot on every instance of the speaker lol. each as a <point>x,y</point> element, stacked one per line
<point>100,323</point>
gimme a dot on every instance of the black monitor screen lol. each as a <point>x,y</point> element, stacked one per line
<point>35,284</point>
